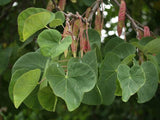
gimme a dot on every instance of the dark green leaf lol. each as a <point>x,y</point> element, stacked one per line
<point>147,91</point>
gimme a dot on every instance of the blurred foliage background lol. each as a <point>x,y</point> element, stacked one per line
<point>144,11</point>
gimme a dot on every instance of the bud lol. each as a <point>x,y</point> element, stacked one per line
<point>146,31</point>
<point>121,17</point>
<point>62,4</point>
<point>50,5</point>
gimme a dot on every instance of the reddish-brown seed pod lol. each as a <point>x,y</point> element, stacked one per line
<point>121,17</point>
<point>98,22</point>
<point>82,37</point>
<point>146,31</point>
<point>62,4</point>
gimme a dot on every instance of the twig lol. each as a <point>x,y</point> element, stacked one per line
<point>134,22</point>
<point>94,9</point>
<point>42,81</point>
<point>55,5</point>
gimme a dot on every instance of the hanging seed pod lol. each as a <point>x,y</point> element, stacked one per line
<point>121,17</point>
<point>98,22</point>
<point>139,34</point>
<point>88,12</point>
<point>66,32</point>
<point>50,5</point>
<point>62,4</point>
<point>87,44</point>
<point>146,31</point>
<point>76,26</point>
<point>81,37</point>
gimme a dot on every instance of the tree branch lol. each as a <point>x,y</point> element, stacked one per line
<point>134,22</point>
<point>94,9</point>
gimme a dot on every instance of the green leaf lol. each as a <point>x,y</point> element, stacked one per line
<point>130,79</point>
<point>47,98</point>
<point>147,91</point>
<point>145,40</point>
<point>30,61</point>
<point>112,43</point>
<point>93,97</point>
<point>50,43</point>
<point>24,85</point>
<point>71,87</point>
<point>31,20</point>
<point>32,100</point>
<point>118,89</point>
<point>128,59</point>
<point>14,78</point>
<point>4,2</point>
<point>153,46</point>
<point>94,38</point>
<point>108,77</point>
<point>59,19</point>
<point>90,58</point>
<point>124,49</point>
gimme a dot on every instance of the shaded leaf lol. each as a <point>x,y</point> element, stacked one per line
<point>147,91</point>
<point>47,98</point>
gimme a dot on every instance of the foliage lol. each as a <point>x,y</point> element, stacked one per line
<point>98,74</point>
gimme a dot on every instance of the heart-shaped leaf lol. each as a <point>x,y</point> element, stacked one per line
<point>31,20</point>
<point>24,85</point>
<point>147,91</point>
<point>80,79</point>
<point>108,77</point>
<point>50,43</point>
<point>130,79</point>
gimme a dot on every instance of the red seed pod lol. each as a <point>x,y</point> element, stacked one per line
<point>146,31</point>
<point>50,5</point>
<point>98,22</point>
<point>121,17</point>
<point>62,4</point>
